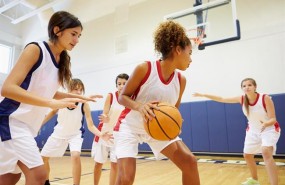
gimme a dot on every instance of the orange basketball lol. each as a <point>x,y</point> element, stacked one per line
<point>166,124</point>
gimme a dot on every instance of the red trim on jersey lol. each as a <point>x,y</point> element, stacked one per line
<point>263,102</point>
<point>100,125</point>
<point>160,74</point>
<point>134,96</point>
<point>147,73</point>
<point>255,100</point>
<point>111,98</point>
<point>121,117</point>
<point>277,127</point>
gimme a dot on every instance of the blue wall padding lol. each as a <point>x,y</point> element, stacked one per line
<point>279,102</point>
<point>217,127</point>
<point>186,127</point>
<point>198,126</point>
<point>236,126</point>
<point>208,127</point>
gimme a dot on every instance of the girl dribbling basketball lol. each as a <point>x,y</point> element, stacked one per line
<point>156,81</point>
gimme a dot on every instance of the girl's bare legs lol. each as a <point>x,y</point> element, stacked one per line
<point>47,166</point>
<point>113,173</point>
<point>9,179</point>
<point>183,158</point>
<point>34,176</point>
<point>126,171</point>
<point>270,164</point>
<point>76,167</point>
<point>251,164</point>
<point>97,172</point>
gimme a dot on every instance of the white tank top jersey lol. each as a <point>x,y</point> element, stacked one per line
<point>114,113</point>
<point>69,122</point>
<point>152,89</point>
<point>257,113</point>
<point>42,80</point>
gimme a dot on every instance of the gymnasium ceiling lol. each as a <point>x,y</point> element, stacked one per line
<point>18,11</point>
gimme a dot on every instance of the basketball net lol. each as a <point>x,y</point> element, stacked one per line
<point>196,37</point>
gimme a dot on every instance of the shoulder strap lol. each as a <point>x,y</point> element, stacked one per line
<point>82,109</point>
<point>111,99</point>
<point>263,102</point>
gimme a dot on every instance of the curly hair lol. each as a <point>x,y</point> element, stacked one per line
<point>168,35</point>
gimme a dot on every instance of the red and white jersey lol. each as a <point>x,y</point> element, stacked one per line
<point>152,89</point>
<point>42,80</point>
<point>114,113</point>
<point>257,114</point>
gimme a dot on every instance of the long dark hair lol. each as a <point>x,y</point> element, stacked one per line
<point>63,20</point>
<point>246,100</point>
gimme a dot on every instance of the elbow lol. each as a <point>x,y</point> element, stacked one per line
<point>4,91</point>
<point>121,99</point>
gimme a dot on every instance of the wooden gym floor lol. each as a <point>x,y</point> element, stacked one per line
<point>214,170</point>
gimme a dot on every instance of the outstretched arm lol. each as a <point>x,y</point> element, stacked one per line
<point>236,99</point>
<point>91,126</point>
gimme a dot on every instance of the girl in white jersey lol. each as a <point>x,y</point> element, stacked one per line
<point>157,81</point>
<point>29,90</point>
<point>263,130</point>
<point>69,131</point>
<point>101,149</point>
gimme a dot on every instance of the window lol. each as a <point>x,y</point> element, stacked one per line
<point>6,58</point>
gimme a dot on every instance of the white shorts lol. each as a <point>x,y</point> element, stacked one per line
<point>22,149</point>
<point>100,152</point>
<point>255,141</point>
<point>126,144</point>
<point>55,147</point>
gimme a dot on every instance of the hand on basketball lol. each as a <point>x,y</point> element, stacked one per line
<point>104,118</point>
<point>146,111</point>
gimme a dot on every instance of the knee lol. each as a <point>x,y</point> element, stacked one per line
<point>267,153</point>
<point>40,177</point>
<point>248,156</point>
<point>187,162</point>
<point>126,178</point>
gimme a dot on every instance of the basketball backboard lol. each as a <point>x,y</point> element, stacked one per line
<point>210,23</point>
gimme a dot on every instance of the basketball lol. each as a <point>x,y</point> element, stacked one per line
<point>166,124</point>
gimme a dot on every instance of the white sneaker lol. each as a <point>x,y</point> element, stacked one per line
<point>250,181</point>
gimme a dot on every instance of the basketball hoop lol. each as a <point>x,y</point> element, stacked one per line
<point>196,37</point>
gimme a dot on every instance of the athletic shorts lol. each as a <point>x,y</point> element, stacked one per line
<point>55,147</point>
<point>22,149</point>
<point>101,152</point>
<point>255,141</point>
<point>126,144</point>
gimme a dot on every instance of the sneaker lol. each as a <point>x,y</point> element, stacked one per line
<point>250,181</point>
